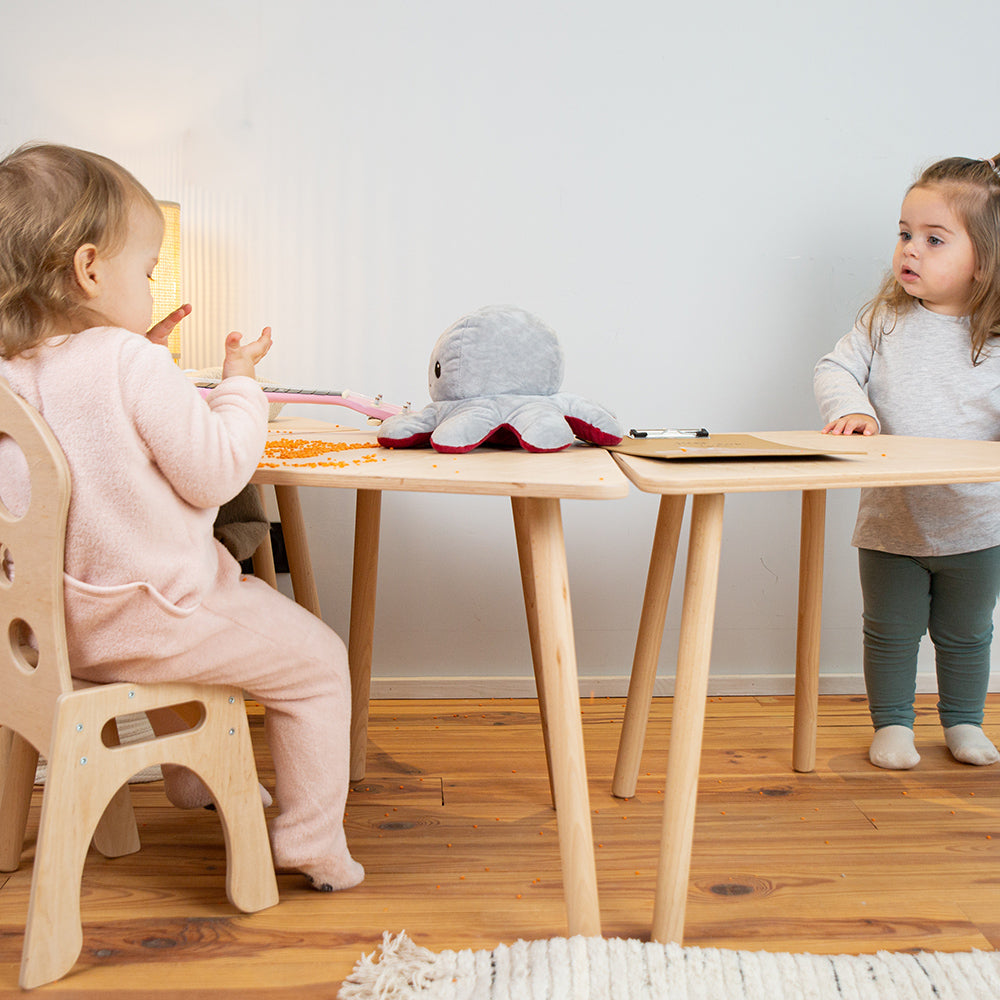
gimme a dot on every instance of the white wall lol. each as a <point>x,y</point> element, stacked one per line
<point>697,197</point>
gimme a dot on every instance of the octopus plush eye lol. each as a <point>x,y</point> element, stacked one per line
<point>437,369</point>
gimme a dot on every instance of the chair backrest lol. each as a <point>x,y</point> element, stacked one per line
<point>34,665</point>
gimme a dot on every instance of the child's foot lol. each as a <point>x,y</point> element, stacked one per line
<point>892,748</point>
<point>186,790</point>
<point>970,745</point>
<point>336,877</point>
<point>265,798</point>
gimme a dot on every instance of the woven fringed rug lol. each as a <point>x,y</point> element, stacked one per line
<point>587,968</point>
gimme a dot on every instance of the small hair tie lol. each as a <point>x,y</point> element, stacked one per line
<point>993,166</point>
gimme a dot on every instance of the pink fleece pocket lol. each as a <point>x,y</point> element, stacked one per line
<point>124,624</point>
<point>126,591</point>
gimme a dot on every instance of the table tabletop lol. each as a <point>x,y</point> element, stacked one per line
<point>852,461</point>
<point>579,472</point>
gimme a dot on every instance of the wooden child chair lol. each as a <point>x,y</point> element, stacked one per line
<point>44,710</point>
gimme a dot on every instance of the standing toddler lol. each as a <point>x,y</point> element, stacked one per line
<point>924,360</point>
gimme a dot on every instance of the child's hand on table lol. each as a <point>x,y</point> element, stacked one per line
<point>852,423</point>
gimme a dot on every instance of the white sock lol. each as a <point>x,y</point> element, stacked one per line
<point>970,745</point>
<point>892,748</point>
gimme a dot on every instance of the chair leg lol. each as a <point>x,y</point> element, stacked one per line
<point>117,833</point>
<point>53,934</point>
<point>18,776</point>
<point>231,775</point>
<point>78,791</point>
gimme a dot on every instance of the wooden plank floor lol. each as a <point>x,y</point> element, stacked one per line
<point>455,828</point>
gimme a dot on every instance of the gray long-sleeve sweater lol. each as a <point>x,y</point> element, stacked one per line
<point>920,381</point>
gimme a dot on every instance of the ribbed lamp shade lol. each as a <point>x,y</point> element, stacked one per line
<point>167,273</point>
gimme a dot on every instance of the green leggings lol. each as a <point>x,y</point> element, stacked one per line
<point>952,598</point>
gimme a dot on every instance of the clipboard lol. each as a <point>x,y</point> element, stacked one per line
<point>720,446</point>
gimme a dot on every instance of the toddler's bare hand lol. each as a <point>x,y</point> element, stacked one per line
<point>163,329</point>
<point>853,423</point>
<point>241,359</point>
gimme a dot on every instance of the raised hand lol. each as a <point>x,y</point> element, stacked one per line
<point>242,359</point>
<point>163,329</point>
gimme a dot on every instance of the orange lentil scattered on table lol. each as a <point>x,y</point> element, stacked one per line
<point>298,448</point>
<point>301,448</point>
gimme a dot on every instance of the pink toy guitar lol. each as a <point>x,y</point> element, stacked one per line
<point>336,397</point>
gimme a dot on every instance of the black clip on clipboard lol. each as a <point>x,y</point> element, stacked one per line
<point>669,432</point>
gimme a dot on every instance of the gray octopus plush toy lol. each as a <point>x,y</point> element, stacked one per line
<point>494,377</point>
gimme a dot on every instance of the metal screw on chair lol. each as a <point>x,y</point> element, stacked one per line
<point>231,699</point>
<point>232,732</point>
<point>79,727</point>
<point>131,694</point>
<point>83,760</point>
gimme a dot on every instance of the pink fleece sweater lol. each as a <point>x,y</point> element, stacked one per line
<point>151,460</point>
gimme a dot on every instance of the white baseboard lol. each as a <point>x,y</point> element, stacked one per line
<point>617,687</point>
<point>602,687</point>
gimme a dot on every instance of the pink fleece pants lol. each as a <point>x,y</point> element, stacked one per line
<point>247,635</point>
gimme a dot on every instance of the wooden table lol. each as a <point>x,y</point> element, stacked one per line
<point>535,483</point>
<point>882,460</point>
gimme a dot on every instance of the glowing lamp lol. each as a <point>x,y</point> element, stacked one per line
<point>167,273</point>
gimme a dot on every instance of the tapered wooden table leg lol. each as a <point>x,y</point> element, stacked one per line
<point>263,558</point>
<point>531,612</point>
<point>647,646</point>
<point>293,530</point>
<point>688,716</point>
<point>367,525</point>
<point>809,625</point>
<point>541,529</point>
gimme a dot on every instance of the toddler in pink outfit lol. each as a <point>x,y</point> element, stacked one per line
<point>150,594</point>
